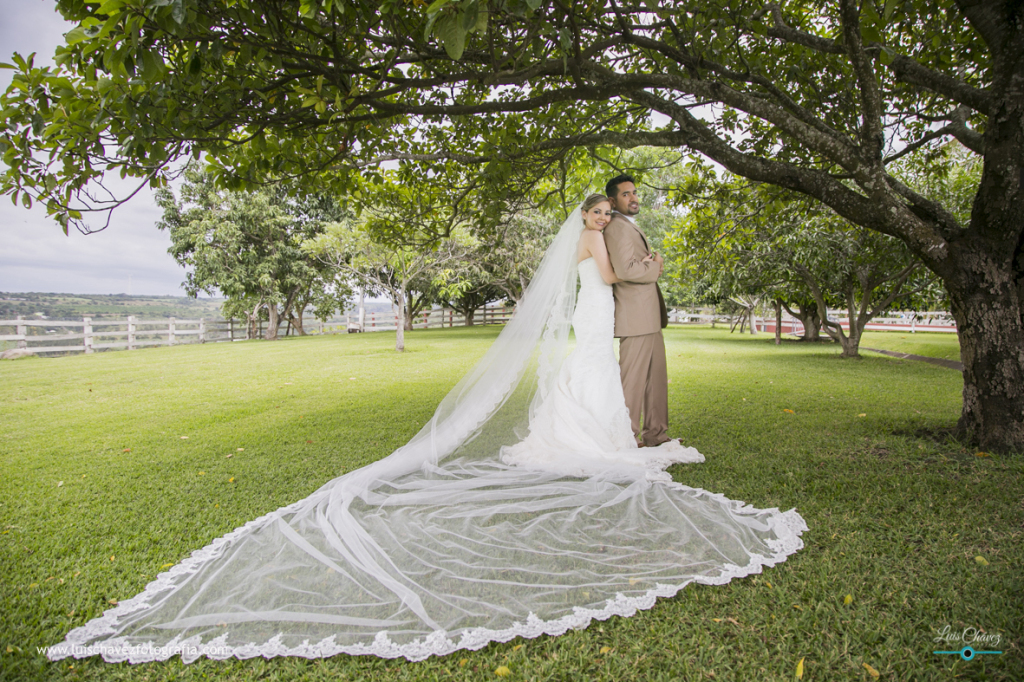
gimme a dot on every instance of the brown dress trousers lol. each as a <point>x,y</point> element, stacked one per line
<point>640,315</point>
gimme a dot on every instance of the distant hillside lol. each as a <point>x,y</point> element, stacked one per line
<point>119,306</point>
<point>100,307</point>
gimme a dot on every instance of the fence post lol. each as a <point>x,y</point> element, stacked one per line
<point>21,331</point>
<point>170,332</point>
<point>131,332</point>
<point>87,334</point>
<point>231,329</point>
<point>202,330</point>
<point>913,324</point>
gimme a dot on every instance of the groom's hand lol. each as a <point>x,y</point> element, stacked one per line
<point>660,261</point>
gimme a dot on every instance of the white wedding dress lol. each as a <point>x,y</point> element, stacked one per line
<point>443,545</point>
<point>583,427</point>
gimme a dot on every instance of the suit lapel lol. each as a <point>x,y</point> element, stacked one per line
<point>638,231</point>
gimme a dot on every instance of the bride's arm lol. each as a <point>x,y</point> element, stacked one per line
<point>598,249</point>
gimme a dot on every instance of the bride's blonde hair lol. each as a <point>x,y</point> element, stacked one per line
<point>592,201</point>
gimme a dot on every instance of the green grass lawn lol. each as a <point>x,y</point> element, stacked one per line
<point>930,344</point>
<point>117,464</point>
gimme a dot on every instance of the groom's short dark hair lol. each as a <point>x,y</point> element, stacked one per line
<point>613,185</point>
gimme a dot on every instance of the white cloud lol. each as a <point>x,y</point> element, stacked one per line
<point>34,253</point>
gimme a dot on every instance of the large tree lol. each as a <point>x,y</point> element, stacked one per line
<point>816,97</point>
<point>247,245</point>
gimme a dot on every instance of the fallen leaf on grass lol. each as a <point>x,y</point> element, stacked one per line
<point>229,455</point>
<point>112,601</point>
<point>111,557</point>
<point>768,584</point>
<point>606,650</point>
<point>167,565</point>
<point>862,414</point>
<point>787,411</point>
<point>127,450</point>
<point>517,647</point>
<point>463,662</point>
<point>800,670</point>
<point>33,586</point>
<point>202,473</point>
<point>634,581</point>
<point>10,649</point>
<point>239,449</point>
<point>981,560</point>
<point>982,454</point>
<point>798,607</point>
<point>60,483</point>
<point>184,437</point>
<point>847,599</point>
<point>231,480</point>
<point>871,671</point>
<point>502,671</point>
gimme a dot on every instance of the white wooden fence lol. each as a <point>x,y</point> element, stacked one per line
<point>90,335</point>
<point>935,321</point>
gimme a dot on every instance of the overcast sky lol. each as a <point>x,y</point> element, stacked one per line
<point>130,256</point>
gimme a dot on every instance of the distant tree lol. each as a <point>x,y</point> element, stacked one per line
<point>247,246</point>
<point>394,270</point>
<point>759,239</point>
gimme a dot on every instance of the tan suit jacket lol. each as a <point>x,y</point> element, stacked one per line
<point>639,306</point>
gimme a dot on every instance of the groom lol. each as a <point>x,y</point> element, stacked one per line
<point>640,315</point>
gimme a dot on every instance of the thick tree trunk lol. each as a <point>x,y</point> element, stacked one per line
<point>809,318</point>
<point>274,321</point>
<point>470,314</point>
<point>988,315</point>
<point>812,324</point>
<point>851,340</point>
<point>296,320</point>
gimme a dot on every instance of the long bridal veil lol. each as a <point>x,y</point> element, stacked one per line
<point>440,546</point>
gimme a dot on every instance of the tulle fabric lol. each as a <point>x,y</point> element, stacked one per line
<point>442,545</point>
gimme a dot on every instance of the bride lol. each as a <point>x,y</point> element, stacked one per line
<point>523,507</point>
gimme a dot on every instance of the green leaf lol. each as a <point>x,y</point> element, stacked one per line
<point>178,12</point>
<point>436,5</point>
<point>533,4</point>
<point>467,18</point>
<point>76,35</point>
<point>151,64</point>
<point>890,7</point>
<point>452,35</point>
<point>481,22</point>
